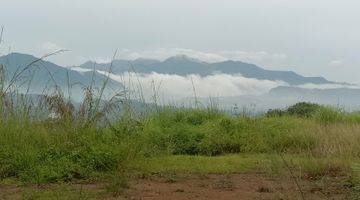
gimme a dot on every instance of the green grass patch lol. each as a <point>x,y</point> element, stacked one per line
<point>241,163</point>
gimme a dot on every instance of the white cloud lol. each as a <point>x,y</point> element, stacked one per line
<point>80,69</point>
<point>175,87</point>
<point>261,58</point>
<point>257,57</point>
<point>327,86</point>
<point>163,53</point>
<point>253,56</point>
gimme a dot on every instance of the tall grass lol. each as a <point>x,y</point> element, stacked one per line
<point>68,147</point>
<point>81,143</point>
<point>211,132</point>
<point>47,138</point>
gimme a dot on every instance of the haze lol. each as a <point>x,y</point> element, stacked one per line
<point>315,38</point>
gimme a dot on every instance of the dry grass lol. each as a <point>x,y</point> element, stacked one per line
<point>339,139</point>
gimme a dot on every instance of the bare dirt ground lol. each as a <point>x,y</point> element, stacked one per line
<point>236,186</point>
<point>215,186</point>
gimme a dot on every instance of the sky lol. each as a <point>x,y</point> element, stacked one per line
<point>311,37</point>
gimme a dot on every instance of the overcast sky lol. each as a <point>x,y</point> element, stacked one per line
<point>312,37</point>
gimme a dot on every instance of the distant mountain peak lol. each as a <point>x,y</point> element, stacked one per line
<point>48,75</point>
<point>182,65</point>
<point>182,58</point>
<point>20,55</point>
<point>145,61</point>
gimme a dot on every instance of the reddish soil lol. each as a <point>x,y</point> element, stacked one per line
<point>215,186</point>
<point>235,186</point>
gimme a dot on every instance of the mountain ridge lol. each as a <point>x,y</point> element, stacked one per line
<point>44,75</point>
<point>185,65</point>
<point>182,66</point>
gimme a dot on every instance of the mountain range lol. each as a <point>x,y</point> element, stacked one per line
<point>28,72</point>
<point>44,74</point>
<point>183,65</point>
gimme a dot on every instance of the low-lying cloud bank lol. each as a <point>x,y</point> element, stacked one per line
<point>328,86</point>
<point>174,87</point>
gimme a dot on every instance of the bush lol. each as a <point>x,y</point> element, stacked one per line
<point>275,113</point>
<point>303,109</point>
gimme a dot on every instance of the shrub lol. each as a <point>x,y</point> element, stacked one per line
<point>303,109</point>
<point>275,113</point>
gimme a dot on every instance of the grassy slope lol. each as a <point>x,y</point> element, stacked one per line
<point>179,141</point>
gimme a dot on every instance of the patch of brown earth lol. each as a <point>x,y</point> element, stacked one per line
<point>212,186</point>
<point>9,192</point>
<point>234,186</point>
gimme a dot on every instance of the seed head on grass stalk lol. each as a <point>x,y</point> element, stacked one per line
<point>9,92</point>
<point>19,72</point>
<point>91,110</point>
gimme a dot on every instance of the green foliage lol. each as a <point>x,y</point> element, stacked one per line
<point>275,113</point>
<point>327,115</point>
<point>77,144</point>
<point>53,150</point>
<point>37,153</point>
<point>209,132</point>
<point>239,163</point>
<point>303,109</point>
<point>355,181</point>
